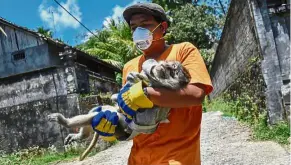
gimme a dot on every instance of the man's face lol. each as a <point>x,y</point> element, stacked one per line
<point>148,22</point>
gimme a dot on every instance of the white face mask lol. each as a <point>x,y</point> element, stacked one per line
<point>143,38</point>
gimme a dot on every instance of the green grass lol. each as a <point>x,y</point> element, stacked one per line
<point>41,156</point>
<point>37,160</point>
<point>37,156</point>
<point>260,129</point>
<point>219,105</point>
<point>279,132</point>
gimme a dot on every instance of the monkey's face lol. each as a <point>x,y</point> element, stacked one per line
<point>170,74</point>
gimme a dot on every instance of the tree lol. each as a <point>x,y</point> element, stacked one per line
<point>220,6</point>
<point>45,32</point>
<point>171,4</point>
<point>195,24</point>
<point>197,21</point>
<point>112,44</point>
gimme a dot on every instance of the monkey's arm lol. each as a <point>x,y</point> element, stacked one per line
<point>191,95</point>
<point>77,121</point>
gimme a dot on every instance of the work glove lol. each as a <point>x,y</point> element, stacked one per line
<point>131,98</point>
<point>104,123</point>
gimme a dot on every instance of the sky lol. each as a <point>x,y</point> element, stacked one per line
<point>46,13</point>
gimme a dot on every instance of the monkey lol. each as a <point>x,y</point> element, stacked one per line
<point>84,121</point>
<point>164,74</point>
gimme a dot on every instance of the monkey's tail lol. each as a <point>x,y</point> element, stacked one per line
<point>90,147</point>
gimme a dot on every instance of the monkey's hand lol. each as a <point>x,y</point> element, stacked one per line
<point>135,77</point>
<point>59,118</point>
<point>71,138</point>
<point>131,98</point>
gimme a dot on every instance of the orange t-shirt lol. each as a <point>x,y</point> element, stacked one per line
<point>179,140</point>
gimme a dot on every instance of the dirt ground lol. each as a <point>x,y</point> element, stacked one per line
<point>224,141</point>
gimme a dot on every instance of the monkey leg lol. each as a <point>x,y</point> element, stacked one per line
<point>76,121</point>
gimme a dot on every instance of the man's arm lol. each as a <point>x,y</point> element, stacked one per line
<point>191,95</point>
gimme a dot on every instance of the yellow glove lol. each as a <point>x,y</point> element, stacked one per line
<point>131,98</point>
<point>104,123</point>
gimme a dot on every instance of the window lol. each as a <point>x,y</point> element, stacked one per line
<point>19,56</point>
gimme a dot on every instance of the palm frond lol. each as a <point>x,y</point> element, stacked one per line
<point>102,54</point>
<point>113,42</point>
<point>115,63</point>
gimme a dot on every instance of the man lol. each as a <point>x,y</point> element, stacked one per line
<point>177,142</point>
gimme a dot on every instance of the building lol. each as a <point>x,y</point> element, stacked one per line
<point>38,76</point>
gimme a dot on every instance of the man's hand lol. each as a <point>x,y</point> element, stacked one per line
<point>104,123</point>
<point>131,98</point>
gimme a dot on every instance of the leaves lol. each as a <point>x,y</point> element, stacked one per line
<point>195,24</point>
<point>45,32</point>
<point>198,24</point>
<point>207,55</point>
<point>172,4</point>
<point>117,64</point>
<point>113,44</point>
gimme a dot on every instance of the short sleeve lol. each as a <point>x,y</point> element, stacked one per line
<point>191,59</point>
<point>124,74</point>
<point>131,66</point>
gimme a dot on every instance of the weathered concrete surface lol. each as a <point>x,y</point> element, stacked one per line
<point>25,101</point>
<point>100,85</point>
<point>282,40</point>
<point>38,85</point>
<point>94,83</point>
<point>249,32</point>
<point>36,81</point>
<point>88,102</point>
<point>281,29</point>
<point>35,58</point>
<point>26,125</point>
<point>271,67</point>
<point>237,45</point>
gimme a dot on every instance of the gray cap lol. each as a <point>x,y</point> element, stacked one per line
<point>147,8</point>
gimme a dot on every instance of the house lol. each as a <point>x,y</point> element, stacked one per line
<point>38,76</point>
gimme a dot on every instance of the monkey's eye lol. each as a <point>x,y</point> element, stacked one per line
<point>172,73</point>
<point>162,75</point>
<point>174,66</point>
